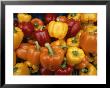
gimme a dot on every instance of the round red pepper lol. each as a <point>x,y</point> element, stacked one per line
<point>42,36</point>
<point>64,69</point>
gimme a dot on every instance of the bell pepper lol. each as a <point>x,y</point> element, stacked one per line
<point>88,70</point>
<point>21,69</point>
<point>23,17</point>
<point>62,19</point>
<point>88,42</point>
<point>88,17</point>
<point>18,37</point>
<point>83,63</point>
<point>27,28</point>
<point>73,42</point>
<point>14,58</point>
<point>50,17</point>
<point>32,67</point>
<point>74,55</point>
<point>73,27</point>
<point>75,16</point>
<point>44,71</point>
<point>37,23</point>
<point>64,69</point>
<point>29,52</point>
<point>57,29</point>
<point>51,57</point>
<point>42,36</point>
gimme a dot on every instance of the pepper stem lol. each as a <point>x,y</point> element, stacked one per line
<point>64,63</point>
<point>49,49</point>
<point>37,45</point>
<point>75,53</point>
<point>58,19</point>
<point>74,40</point>
<point>15,30</point>
<point>41,28</point>
<point>85,70</point>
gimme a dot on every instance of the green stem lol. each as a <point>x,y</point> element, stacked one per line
<point>37,45</point>
<point>15,31</point>
<point>74,40</point>
<point>41,28</point>
<point>64,46</point>
<point>85,70</point>
<point>64,64</point>
<point>49,49</point>
<point>75,53</point>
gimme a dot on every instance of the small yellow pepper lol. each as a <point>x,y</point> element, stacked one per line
<point>73,42</point>
<point>21,69</point>
<point>75,16</point>
<point>74,55</point>
<point>18,37</point>
<point>88,17</point>
<point>89,70</point>
<point>23,17</point>
<point>57,29</point>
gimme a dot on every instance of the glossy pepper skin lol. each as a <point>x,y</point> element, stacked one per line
<point>74,55</point>
<point>23,17</point>
<point>57,29</point>
<point>21,69</point>
<point>50,17</point>
<point>73,42</point>
<point>88,17</point>
<point>88,42</point>
<point>51,57</point>
<point>29,52</point>
<point>18,37</point>
<point>88,70</point>
<point>42,36</point>
<point>64,69</point>
<point>75,16</point>
<point>37,23</point>
<point>73,28</point>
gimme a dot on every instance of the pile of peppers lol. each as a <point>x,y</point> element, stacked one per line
<point>55,44</point>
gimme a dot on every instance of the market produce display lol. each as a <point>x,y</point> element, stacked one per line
<point>55,44</point>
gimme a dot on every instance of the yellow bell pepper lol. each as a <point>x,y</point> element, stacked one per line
<point>14,58</point>
<point>23,17</point>
<point>34,69</point>
<point>74,55</point>
<point>89,70</point>
<point>91,28</point>
<point>18,37</point>
<point>75,16</point>
<point>21,69</point>
<point>88,17</point>
<point>57,29</point>
<point>73,42</point>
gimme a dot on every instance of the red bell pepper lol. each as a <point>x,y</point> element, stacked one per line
<point>64,69</point>
<point>42,36</point>
<point>44,71</point>
<point>27,28</point>
<point>73,27</point>
<point>50,17</point>
<point>37,23</point>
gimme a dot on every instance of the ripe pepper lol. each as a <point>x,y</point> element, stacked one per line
<point>88,17</point>
<point>75,16</point>
<point>21,69</point>
<point>44,71</point>
<point>29,52</point>
<point>88,42</point>
<point>73,42</point>
<point>50,17</point>
<point>23,17</point>
<point>37,23</point>
<point>74,55</point>
<point>64,69</point>
<point>32,67</point>
<point>42,36</point>
<point>62,19</point>
<point>57,29</point>
<point>51,57</point>
<point>14,58</point>
<point>88,70</point>
<point>73,27</point>
<point>18,37</point>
